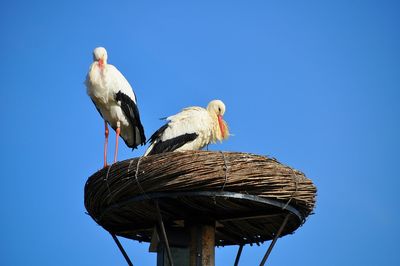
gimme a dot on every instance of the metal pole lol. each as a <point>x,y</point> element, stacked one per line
<point>239,253</point>
<point>202,244</point>
<point>199,244</point>
<point>121,249</point>
<point>274,240</point>
<point>163,233</point>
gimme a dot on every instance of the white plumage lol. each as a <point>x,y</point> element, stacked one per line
<point>191,129</point>
<point>115,101</point>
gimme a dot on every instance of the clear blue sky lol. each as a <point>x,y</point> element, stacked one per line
<point>315,84</point>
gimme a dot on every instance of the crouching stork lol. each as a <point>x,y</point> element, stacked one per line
<point>191,129</point>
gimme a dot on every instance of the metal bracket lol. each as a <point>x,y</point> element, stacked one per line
<point>274,240</point>
<point>163,233</point>
<point>121,249</point>
<point>239,253</point>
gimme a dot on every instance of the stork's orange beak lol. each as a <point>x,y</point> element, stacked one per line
<point>221,125</point>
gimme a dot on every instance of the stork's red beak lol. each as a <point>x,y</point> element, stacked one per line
<point>101,62</point>
<point>221,125</point>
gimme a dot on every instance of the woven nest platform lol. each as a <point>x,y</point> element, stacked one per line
<point>247,195</point>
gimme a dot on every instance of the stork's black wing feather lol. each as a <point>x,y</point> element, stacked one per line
<point>170,144</point>
<point>131,111</point>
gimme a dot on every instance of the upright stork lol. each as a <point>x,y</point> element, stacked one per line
<point>116,102</point>
<point>191,129</point>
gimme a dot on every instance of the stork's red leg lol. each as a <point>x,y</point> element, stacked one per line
<point>105,143</point>
<point>116,144</point>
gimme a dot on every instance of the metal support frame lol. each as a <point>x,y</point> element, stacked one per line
<point>121,249</point>
<point>156,196</point>
<point>274,240</point>
<point>239,253</point>
<point>163,233</point>
<point>223,194</point>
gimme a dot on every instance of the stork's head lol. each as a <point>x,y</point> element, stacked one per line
<point>217,108</point>
<point>100,56</point>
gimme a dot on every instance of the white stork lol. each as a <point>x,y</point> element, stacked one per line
<point>116,102</point>
<point>191,129</point>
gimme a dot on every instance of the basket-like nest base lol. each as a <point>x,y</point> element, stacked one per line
<point>247,196</point>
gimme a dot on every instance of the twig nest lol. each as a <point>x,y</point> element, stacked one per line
<point>247,195</point>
